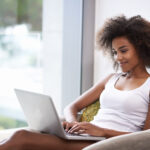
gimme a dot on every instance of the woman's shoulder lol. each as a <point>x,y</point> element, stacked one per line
<point>112,77</point>
<point>102,82</point>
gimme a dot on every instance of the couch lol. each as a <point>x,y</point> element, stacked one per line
<point>134,141</point>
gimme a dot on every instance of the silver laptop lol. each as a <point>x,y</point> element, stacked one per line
<point>42,116</point>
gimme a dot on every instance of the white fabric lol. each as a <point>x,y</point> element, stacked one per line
<point>123,110</point>
<point>134,141</point>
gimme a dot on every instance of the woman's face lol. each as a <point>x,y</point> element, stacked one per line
<point>125,54</point>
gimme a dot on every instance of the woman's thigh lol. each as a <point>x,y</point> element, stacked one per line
<point>77,145</point>
<point>26,140</point>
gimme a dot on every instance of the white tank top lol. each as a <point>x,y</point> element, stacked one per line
<point>123,110</point>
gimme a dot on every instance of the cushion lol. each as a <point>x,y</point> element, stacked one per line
<point>134,141</point>
<point>90,111</point>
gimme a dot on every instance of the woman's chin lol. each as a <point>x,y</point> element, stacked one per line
<point>124,70</point>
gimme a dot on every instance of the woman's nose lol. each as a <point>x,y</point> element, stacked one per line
<point>118,57</point>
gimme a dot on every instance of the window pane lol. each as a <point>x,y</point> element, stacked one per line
<point>20,56</point>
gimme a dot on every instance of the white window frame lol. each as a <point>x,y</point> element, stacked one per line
<point>78,48</point>
<point>76,65</point>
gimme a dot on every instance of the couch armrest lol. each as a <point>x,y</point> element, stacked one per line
<point>133,141</point>
<point>5,134</point>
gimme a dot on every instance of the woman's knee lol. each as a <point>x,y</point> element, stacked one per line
<point>19,139</point>
<point>20,134</point>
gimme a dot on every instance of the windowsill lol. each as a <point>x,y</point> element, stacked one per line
<point>4,134</point>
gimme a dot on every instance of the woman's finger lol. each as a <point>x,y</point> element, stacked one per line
<point>64,124</point>
<point>68,126</point>
<point>81,131</point>
<point>76,128</point>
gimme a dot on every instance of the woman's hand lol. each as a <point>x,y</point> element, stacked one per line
<point>88,128</point>
<point>68,125</point>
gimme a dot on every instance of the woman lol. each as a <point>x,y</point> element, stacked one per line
<point>124,96</point>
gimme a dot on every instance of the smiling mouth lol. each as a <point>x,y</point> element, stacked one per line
<point>122,63</point>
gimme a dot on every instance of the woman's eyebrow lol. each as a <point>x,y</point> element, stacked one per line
<point>120,47</point>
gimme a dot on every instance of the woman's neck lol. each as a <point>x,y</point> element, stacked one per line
<point>137,73</point>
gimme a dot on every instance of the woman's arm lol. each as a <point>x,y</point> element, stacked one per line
<point>110,133</point>
<point>89,128</point>
<point>147,121</point>
<point>84,100</point>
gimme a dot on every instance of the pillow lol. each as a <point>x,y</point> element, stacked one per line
<point>133,141</point>
<point>90,111</point>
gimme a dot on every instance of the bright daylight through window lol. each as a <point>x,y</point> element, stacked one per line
<point>20,56</point>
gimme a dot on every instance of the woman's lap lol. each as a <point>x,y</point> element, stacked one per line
<point>36,141</point>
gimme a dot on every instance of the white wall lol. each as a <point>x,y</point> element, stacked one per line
<point>72,51</point>
<point>52,49</point>
<point>106,9</point>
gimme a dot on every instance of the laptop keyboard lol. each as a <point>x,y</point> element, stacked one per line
<point>75,134</point>
<point>70,134</point>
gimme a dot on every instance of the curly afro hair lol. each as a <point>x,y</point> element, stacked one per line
<point>136,29</point>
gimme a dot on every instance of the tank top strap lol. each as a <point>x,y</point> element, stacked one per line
<point>146,87</point>
<point>113,79</point>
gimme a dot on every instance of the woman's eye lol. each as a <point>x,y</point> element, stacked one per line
<point>123,50</point>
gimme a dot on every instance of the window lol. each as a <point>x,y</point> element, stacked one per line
<point>58,68</point>
<point>20,56</point>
